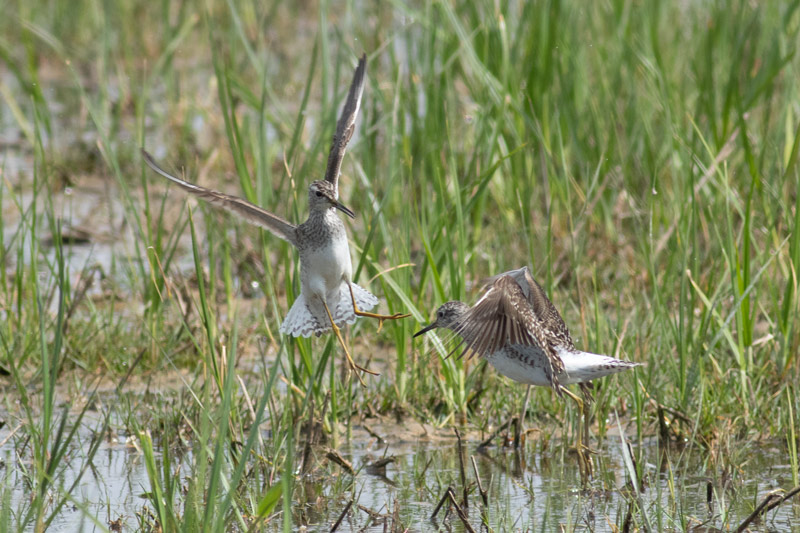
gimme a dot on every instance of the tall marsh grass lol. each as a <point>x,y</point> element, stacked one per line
<point>640,157</point>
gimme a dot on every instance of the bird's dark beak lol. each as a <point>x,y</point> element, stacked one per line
<point>426,329</point>
<point>343,209</point>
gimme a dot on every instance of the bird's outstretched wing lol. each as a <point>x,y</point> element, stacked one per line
<point>238,206</point>
<point>547,314</point>
<point>346,125</point>
<point>544,310</point>
<point>504,317</point>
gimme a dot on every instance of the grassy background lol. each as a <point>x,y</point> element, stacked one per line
<point>641,157</point>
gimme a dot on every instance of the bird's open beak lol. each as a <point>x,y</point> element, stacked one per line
<point>426,329</point>
<point>345,210</point>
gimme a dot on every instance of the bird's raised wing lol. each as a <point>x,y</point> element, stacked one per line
<point>546,312</point>
<point>504,317</point>
<point>346,125</point>
<point>238,206</point>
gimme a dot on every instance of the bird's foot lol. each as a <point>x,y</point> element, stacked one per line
<point>381,318</point>
<point>585,464</point>
<point>396,316</point>
<point>356,368</point>
<point>353,366</point>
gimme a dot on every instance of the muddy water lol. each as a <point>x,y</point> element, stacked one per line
<point>536,490</point>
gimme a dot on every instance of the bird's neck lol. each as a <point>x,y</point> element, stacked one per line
<point>327,216</point>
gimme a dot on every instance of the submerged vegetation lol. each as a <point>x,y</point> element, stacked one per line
<point>640,157</point>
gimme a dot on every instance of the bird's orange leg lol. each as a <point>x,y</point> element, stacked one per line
<point>353,365</point>
<point>380,318</point>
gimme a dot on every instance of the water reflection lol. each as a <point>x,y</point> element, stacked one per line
<point>402,482</point>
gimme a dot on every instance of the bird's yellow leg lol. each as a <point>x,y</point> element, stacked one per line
<point>353,365</point>
<point>380,318</point>
<point>586,407</point>
<point>587,403</point>
<point>584,459</point>
<point>520,430</point>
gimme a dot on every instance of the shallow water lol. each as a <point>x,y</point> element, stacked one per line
<point>109,489</point>
<point>534,490</point>
<point>541,491</point>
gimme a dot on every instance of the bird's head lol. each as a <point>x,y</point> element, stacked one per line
<point>322,195</point>
<point>447,316</point>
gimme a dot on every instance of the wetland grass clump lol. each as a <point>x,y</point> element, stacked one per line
<point>640,158</point>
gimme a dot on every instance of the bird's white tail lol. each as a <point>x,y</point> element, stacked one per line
<point>580,367</point>
<point>344,311</point>
<point>299,321</point>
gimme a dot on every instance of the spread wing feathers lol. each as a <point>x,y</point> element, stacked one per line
<point>347,124</point>
<point>504,317</point>
<point>543,308</point>
<point>238,206</point>
<point>547,313</point>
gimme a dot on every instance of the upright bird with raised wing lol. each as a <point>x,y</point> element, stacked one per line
<point>328,298</point>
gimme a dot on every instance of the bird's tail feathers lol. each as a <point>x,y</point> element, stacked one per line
<point>299,321</point>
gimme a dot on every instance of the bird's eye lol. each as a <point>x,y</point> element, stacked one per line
<point>441,314</point>
<point>319,194</point>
